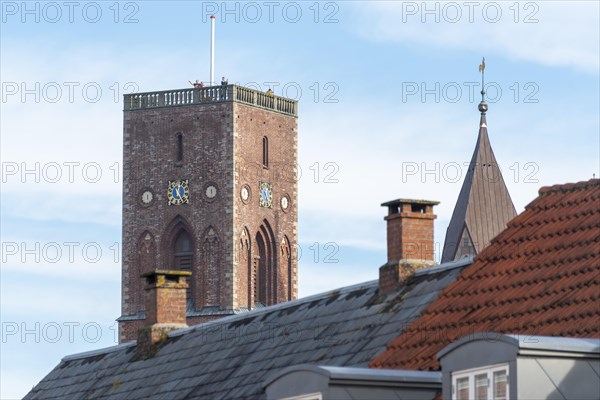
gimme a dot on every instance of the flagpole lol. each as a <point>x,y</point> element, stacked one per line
<point>212,50</point>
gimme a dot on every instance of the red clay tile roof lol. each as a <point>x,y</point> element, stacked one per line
<point>540,276</point>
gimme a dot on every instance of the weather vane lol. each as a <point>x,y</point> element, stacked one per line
<point>483,107</point>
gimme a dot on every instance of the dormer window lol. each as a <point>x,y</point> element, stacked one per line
<point>481,384</point>
<point>484,365</point>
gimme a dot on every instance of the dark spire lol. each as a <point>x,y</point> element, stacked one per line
<point>484,206</point>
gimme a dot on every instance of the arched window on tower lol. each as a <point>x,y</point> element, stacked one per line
<point>265,152</point>
<point>264,274</point>
<point>182,254</point>
<point>179,147</point>
<point>261,274</point>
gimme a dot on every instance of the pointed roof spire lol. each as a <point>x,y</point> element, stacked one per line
<point>484,206</point>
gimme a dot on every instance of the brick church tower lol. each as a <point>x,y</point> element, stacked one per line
<point>209,187</point>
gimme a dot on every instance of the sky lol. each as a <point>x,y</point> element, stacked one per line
<point>387,92</point>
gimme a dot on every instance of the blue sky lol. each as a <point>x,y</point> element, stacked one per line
<point>384,88</point>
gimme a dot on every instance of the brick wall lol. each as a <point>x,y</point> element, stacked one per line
<point>251,125</point>
<point>221,143</point>
<point>166,298</point>
<point>410,232</point>
<point>410,241</point>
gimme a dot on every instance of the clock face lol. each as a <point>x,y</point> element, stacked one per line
<point>178,192</point>
<point>147,197</point>
<point>211,192</point>
<point>266,194</point>
<point>245,193</point>
<point>285,202</point>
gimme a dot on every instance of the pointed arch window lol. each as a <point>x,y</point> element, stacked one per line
<point>265,152</point>
<point>183,251</point>
<point>261,273</point>
<point>264,285</point>
<point>182,254</point>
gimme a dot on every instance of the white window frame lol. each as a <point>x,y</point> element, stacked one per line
<point>471,373</point>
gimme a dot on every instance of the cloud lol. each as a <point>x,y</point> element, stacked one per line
<point>550,33</point>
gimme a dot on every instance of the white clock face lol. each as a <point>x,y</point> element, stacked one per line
<point>245,193</point>
<point>285,202</point>
<point>211,192</point>
<point>147,197</point>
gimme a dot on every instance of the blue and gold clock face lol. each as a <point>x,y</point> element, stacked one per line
<point>178,192</point>
<point>265,198</point>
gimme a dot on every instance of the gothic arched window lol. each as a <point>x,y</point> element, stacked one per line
<point>182,254</point>
<point>183,251</point>
<point>264,276</point>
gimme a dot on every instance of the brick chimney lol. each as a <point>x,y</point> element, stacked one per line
<point>165,306</point>
<point>410,243</point>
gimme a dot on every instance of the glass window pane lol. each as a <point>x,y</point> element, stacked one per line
<point>185,245</point>
<point>500,384</point>
<point>182,244</point>
<point>462,388</point>
<point>481,387</point>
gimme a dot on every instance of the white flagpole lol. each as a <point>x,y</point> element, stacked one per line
<point>212,50</point>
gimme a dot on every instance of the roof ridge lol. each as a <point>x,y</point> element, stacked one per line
<point>273,308</point>
<point>98,352</point>
<point>461,262</point>
<point>569,187</point>
<point>319,296</point>
<point>276,307</point>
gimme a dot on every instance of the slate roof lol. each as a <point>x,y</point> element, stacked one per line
<point>484,206</point>
<point>540,276</point>
<point>230,358</point>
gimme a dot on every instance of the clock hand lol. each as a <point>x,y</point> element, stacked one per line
<point>176,193</point>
